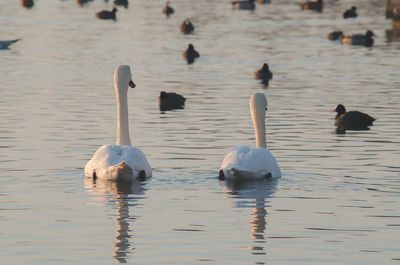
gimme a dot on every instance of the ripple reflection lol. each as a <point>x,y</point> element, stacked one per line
<point>121,193</point>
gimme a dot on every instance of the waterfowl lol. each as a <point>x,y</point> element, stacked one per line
<point>105,14</point>
<point>352,120</point>
<point>187,26</point>
<point>168,10</point>
<point>4,44</point>
<point>264,1</point>
<point>264,74</point>
<point>335,35</point>
<point>313,5</point>
<point>170,101</point>
<point>359,39</point>
<point>244,4</point>
<point>82,2</point>
<point>26,3</point>
<point>120,160</point>
<point>123,3</point>
<point>350,13</point>
<point>244,162</point>
<point>190,54</point>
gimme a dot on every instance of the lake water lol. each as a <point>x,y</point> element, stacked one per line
<point>338,201</point>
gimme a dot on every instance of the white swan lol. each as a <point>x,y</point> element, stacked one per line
<point>244,162</point>
<point>120,160</point>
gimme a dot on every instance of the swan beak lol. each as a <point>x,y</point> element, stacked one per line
<point>131,84</point>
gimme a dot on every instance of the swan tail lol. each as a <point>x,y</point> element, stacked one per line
<point>120,171</point>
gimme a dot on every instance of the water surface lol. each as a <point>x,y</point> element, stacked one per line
<point>336,203</point>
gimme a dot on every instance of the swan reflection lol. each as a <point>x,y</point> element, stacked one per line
<point>121,193</point>
<point>258,192</point>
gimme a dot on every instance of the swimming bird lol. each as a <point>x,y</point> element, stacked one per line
<point>335,35</point>
<point>244,4</point>
<point>105,14</point>
<point>244,162</point>
<point>26,3</point>
<point>313,5</point>
<point>170,101</point>
<point>4,44</point>
<point>350,13</point>
<point>187,26</point>
<point>168,10</point>
<point>82,2</point>
<point>120,160</point>
<point>359,39</point>
<point>190,54</point>
<point>123,3</point>
<point>352,120</point>
<point>264,74</point>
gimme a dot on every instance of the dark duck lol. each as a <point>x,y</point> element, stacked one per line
<point>264,74</point>
<point>351,120</point>
<point>170,101</point>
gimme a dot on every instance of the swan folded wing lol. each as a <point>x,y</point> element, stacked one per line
<point>246,162</point>
<point>136,160</point>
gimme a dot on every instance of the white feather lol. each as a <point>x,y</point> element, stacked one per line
<point>119,160</point>
<point>252,163</point>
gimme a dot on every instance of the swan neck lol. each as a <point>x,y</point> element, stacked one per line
<point>123,137</point>
<point>258,117</point>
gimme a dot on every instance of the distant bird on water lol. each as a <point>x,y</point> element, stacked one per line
<point>123,3</point>
<point>187,27</point>
<point>264,74</point>
<point>335,35</point>
<point>190,54</point>
<point>359,39</point>
<point>350,13</point>
<point>244,4</point>
<point>82,2</point>
<point>4,44</point>
<point>168,10</point>
<point>170,101</point>
<point>313,5</point>
<point>26,3</point>
<point>351,120</point>
<point>105,14</point>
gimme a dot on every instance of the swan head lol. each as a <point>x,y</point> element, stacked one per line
<point>123,78</point>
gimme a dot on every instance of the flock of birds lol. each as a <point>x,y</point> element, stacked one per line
<point>123,161</point>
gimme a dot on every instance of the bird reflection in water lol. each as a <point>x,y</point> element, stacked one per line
<point>121,193</point>
<point>258,192</point>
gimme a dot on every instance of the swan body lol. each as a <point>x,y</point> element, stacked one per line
<point>120,160</point>
<point>244,162</point>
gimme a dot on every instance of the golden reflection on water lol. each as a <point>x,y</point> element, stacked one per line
<point>256,194</point>
<point>120,192</point>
